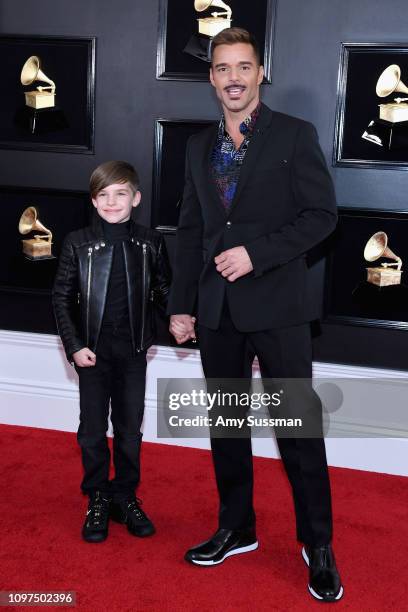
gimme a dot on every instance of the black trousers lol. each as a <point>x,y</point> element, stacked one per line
<point>282,353</point>
<point>118,379</point>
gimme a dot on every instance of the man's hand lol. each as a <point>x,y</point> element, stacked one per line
<point>182,327</point>
<point>234,263</point>
<point>84,358</point>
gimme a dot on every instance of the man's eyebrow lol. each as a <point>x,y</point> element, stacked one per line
<point>242,63</point>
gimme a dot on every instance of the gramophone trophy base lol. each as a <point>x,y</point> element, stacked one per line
<point>40,99</point>
<point>41,121</point>
<point>386,134</point>
<point>383,277</point>
<point>199,46</point>
<point>394,113</point>
<point>35,250</point>
<point>211,26</point>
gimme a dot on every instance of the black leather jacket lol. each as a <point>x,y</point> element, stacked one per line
<point>82,278</point>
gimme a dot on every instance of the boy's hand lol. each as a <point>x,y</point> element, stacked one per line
<point>84,358</point>
<point>182,327</point>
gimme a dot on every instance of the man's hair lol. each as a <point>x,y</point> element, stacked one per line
<point>113,172</point>
<point>232,36</point>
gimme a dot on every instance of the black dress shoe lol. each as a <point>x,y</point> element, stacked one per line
<point>324,579</point>
<point>222,545</point>
<point>128,512</point>
<point>95,528</point>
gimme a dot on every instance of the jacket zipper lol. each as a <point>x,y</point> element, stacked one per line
<point>143,295</point>
<point>88,293</point>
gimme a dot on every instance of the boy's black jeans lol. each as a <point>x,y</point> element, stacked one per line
<point>120,378</point>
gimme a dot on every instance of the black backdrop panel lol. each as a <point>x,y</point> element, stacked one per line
<point>69,62</point>
<point>178,21</point>
<point>25,286</point>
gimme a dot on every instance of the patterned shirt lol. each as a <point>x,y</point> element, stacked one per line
<point>226,160</point>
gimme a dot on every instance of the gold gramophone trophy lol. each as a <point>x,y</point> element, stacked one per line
<point>38,247</point>
<point>199,44</point>
<point>40,114</point>
<point>391,129</point>
<point>383,275</point>
<point>42,96</point>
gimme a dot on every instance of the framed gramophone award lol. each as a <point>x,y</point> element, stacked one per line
<point>372,106</point>
<point>366,272</point>
<point>186,28</point>
<point>35,222</point>
<point>47,98</point>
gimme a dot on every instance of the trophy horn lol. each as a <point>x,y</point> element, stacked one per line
<point>390,81</point>
<point>203,5</point>
<point>377,246</point>
<point>29,222</point>
<point>31,72</point>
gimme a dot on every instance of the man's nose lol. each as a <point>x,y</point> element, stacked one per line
<point>234,75</point>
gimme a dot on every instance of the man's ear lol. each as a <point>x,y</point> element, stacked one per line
<point>261,74</point>
<point>136,199</point>
<point>211,77</point>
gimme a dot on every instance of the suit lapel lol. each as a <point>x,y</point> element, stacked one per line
<point>254,150</point>
<point>257,141</point>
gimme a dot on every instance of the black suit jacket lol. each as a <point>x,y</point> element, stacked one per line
<point>283,206</point>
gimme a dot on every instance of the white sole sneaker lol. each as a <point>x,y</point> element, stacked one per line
<point>235,551</point>
<point>312,592</point>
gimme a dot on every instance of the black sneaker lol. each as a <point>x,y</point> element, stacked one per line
<point>95,528</point>
<point>129,513</point>
<point>324,580</point>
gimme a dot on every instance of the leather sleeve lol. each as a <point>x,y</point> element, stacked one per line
<point>188,257</point>
<point>64,295</point>
<point>161,277</point>
<point>316,205</point>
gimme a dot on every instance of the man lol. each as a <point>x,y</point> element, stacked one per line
<point>257,197</point>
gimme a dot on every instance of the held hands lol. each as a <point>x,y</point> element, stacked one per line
<point>182,327</point>
<point>234,263</point>
<point>84,358</point>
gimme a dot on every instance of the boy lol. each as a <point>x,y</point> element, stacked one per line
<point>109,275</point>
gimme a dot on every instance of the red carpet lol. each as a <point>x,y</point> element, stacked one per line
<point>42,515</point>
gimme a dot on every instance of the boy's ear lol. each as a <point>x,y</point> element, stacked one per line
<point>136,199</point>
<point>94,203</point>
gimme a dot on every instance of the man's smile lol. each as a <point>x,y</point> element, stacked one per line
<point>235,90</point>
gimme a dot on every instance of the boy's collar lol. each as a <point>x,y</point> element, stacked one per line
<point>97,226</point>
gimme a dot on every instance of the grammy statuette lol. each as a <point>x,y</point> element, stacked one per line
<point>40,97</point>
<point>199,44</point>
<point>40,113</point>
<point>390,130</point>
<point>38,247</point>
<point>383,275</point>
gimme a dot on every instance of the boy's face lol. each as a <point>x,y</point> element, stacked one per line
<point>114,203</point>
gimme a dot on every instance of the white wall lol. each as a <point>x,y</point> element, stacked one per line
<point>38,388</point>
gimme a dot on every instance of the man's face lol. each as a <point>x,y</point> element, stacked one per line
<point>236,76</point>
<point>114,203</point>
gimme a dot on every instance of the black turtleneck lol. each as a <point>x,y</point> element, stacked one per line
<point>116,308</point>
